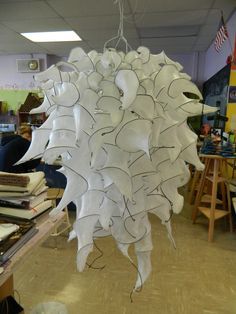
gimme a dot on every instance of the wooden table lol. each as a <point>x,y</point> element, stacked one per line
<point>45,226</point>
<point>213,172</point>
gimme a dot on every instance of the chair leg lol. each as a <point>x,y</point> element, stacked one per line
<point>229,206</point>
<point>66,223</point>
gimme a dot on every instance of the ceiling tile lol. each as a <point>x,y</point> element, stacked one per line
<point>97,22</point>
<point>214,15</point>
<point>168,31</point>
<point>199,47</point>
<point>71,8</point>
<point>169,5</point>
<point>105,34</point>
<point>17,1</point>
<point>156,21</point>
<point>171,18</point>
<point>224,3</point>
<point>37,25</point>
<point>24,10</point>
<point>15,48</point>
<point>208,31</point>
<point>167,42</point>
<point>63,49</point>
<point>99,45</point>
<point>202,40</point>
<point>171,50</point>
<point>6,30</point>
<point>12,36</point>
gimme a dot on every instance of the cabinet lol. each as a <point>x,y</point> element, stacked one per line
<point>32,101</point>
<point>32,119</point>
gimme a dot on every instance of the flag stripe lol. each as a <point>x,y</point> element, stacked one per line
<point>221,36</point>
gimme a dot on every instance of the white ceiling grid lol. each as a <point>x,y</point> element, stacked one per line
<point>182,26</point>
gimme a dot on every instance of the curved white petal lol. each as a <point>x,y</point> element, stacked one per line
<point>94,79</point>
<point>111,106</point>
<point>68,96</point>
<point>144,54</point>
<point>144,106</point>
<point>127,81</point>
<point>109,89</point>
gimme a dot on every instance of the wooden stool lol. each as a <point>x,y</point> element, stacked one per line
<point>212,212</point>
<point>231,188</point>
<point>194,183</point>
<point>54,194</point>
<point>194,186</point>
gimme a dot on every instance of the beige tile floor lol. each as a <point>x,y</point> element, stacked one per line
<point>196,278</point>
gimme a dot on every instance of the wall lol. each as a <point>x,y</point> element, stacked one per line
<point>14,86</point>
<point>189,63</point>
<point>52,59</point>
<point>231,107</point>
<point>12,98</point>
<point>11,79</point>
<point>214,61</point>
<point>199,65</point>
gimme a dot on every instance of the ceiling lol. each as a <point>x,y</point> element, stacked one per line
<point>181,26</point>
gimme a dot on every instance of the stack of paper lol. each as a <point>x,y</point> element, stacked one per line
<point>7,229</point>
<point>22,230</point>
<point>26,201</point>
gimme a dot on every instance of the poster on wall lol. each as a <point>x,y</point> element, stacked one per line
<point>232,94</point>
<point>215,93</point>
<point>233,64</point>
<point>215,89</point>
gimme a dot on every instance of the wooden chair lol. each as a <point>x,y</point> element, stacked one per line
<point>231,200</point>
<point>55,194</point>
<point>207,204</point>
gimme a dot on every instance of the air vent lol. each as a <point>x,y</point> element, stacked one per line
<point>28,65</point>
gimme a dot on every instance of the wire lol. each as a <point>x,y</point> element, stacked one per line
<point>90,265</point>
<point>141,282</point>
<point>120,34</point>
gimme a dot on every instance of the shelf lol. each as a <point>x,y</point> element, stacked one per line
<point>35,119</point>
<point>218,213</point>
<point>207,198</point>
<point>219,179</point>
<point>24,116</point>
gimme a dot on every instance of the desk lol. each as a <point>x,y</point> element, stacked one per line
<point>45,226</point>
<point>212,212</point>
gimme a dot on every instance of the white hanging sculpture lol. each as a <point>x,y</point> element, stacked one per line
<point>118,122</point>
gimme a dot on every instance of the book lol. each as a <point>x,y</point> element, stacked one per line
<point>13,179</point>
<point>6,229</point>
<point>13,242</point>
<point>23,202</point>
<point>35,180</point>
<point>12,204</point>
<point>39,188</point>
<point>27,213</point>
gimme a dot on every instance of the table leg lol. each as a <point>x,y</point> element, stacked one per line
<point>7,288</point>
<point>213,200</point>
<point>200,190</point>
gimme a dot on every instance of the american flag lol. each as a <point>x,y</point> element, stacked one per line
<point>221,36</point>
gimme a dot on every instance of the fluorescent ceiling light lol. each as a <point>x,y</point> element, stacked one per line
<point>52,36</point>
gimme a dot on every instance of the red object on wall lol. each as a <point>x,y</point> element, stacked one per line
<point>229,59</point>
<point>233,64</point>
